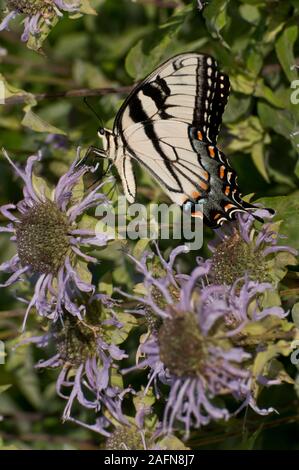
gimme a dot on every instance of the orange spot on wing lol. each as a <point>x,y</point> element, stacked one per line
<point>199,135</point>
<point>204,174</point>
<point>228,207</point>
<point>227,190</point>
<point>195,194</point>
<point>222,171</point>
<point>216,216</point>
<point>211,151</point>
<point>204,185</point>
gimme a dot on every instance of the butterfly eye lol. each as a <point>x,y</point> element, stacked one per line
<point>101,132</point>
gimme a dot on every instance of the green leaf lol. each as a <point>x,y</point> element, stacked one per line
<point>277,371</point>
<point>262,362</point>
<point>278,120</point>
<point>106,287</point>
<point>36,41</point>
<point>263,91</point>
<point>41,186</point>
<point>141,400</point>
<point>3,388</point>
<point>216,16</point>
<point>250,137</point>
<point>284,47</point>
<point>37,124</point>
<point>20,362</point>
<point>12,91</point>
<point>172,443</point>
<point>83,271</point>
<point>258,157</point>
<point>119,335</point>
<point>268,329</point>
<point>249,439</point>
<point>156,47</point>
<point>87,8</point>
<point>238,105</point>
<point>287,209</point>
<point>250,13</point>
<point>246,133</point>
<point>116,379</point>
<point>136,61</point>
<point>242,83</point>
<point>89,75</point>
<point>88,222</point>
<point>140,247</point>
<point>295,314</point>
<point>254,61</point>
<point>278,265</point>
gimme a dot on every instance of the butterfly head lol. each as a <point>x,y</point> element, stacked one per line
<point>101,132</point>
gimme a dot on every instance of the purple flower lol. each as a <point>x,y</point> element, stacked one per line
<point>193,345</point>
<point>88,358</point>
<point>50,245</point>
<point>58,141</point>
<point>36,11</point>
<point>239,249</point>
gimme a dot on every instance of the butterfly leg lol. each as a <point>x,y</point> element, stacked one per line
<point>91,151</point>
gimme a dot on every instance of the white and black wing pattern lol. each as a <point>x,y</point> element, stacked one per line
<point>170,124</point>
<point>188,88</point>
<point>170,157</point>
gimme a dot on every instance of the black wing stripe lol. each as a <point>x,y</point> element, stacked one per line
<point>209,88</point>
<point>150,132</point>
<point>158,94</point>
<point>137,113</point>
<point>196,175</point>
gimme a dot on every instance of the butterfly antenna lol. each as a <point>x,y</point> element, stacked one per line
<point>94,111</point>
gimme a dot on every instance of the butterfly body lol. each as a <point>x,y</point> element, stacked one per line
<point>169,125</point>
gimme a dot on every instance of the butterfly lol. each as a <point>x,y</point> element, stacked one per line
<point>169,124</point>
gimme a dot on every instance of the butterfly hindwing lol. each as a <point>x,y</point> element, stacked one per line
<point>224,197</point>
<point>170,158</point>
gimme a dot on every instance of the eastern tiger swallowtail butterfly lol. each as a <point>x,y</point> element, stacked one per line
<point>169,124</point>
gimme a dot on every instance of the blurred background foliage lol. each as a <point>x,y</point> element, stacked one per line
<point>106,49</point>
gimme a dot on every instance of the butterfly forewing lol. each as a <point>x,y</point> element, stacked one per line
<point>187,88</point>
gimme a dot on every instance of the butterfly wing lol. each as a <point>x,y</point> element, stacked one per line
<point>190,170</point>
<point>187,88</point>
<point>170,124</point>
<point>169,156</point>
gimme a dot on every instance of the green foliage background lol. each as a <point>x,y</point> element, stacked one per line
<point>256,44</point>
